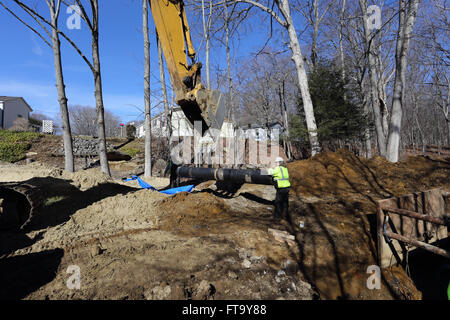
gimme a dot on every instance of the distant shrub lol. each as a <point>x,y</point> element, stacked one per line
<point>131,131</point>
<point>21,124</point>
<point>14,145</point>
<point>12,152</point>
<point>18,136</point>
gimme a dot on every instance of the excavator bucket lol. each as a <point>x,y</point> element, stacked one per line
<point>207,106</point>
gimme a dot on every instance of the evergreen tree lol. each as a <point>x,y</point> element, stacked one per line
<point>339,114</point>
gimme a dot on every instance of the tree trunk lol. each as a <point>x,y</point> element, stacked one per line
<point>297,57</point>
<point>148,129</point>
<point>283,108</point>
<point>367,141</point>
<point>341,47</point>
<point>67,134</point>
<point>206,28</point>
<point>416,119</point>
<point>315,34</point>
<point>230,81</point>
<point>448,131</point>
<point>99,93</point>
<point>406,26</point>
<point>167,112</point>
<point>381,138</point>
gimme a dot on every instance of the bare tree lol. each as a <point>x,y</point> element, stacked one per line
<point>407,17</point>
<point>84,120</point>
<point>207,38</point>
<point>20,124</point>
<point>285,20</point>
<point>93,25</point>
<point>162,78</point>
<point>148,129</point>
<point>95,68</point>
<point>54,7</point>
<point>381,137</point>
<point>311,11</point>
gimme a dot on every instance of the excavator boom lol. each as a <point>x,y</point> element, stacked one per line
<point>197,102</point>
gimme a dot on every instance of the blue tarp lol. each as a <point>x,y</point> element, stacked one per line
<point>145,185</point>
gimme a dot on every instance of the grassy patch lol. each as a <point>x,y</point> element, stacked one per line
<point>130,151</point>
<point>133,148</point>
<point>52,200</point>
<point>14,145</point>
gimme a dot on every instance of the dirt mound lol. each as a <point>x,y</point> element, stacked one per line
<point>343,175</point>
<point>335,199</point>
<point>86,179</point>
<point>201,213</point>
<point>111,215</point>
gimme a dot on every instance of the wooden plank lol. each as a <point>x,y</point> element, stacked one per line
<point>430,203</point>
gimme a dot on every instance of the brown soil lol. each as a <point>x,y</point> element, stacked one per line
<point>138,244</point>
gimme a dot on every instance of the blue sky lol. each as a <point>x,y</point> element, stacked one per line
<point>27,62</point>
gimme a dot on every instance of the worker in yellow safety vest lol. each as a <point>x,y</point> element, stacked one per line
<point>280,176</point>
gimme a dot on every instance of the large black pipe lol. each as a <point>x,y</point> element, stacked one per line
<point>221,174</point>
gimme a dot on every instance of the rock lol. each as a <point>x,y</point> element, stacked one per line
<point>158,293</point>
<point>231,260</point>
<point>294,287</point>
<point>96,250</point>
<point>304,289</point>
<point>290,267</point>
<point>232,275</point>
<point>243,253</point>
<point>84,147</point>
<point>255,259</point>
<point>246,264</point>
<point>281,273</point>
<point>305,284</point>
<point>204,290</point>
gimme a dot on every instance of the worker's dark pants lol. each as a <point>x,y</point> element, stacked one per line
<point>173,176</point>
<point>281,203</point>
<point>173,180</point>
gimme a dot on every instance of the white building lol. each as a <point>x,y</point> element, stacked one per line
<point>12,108</point>
<point>181,127</point>
<point>262,133</point>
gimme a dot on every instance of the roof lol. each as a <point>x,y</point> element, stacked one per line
<point>8,98</point>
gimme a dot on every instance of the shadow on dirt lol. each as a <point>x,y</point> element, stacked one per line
<point>62,200</point>
<point>10,242</point>
<point>326,256</point>
<point>22,275</point>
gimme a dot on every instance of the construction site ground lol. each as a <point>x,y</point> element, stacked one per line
<point>213,243</point>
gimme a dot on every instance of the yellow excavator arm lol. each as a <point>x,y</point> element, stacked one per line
<point>197,102</point>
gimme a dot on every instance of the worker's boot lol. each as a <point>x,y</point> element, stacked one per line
<point>277,213</point>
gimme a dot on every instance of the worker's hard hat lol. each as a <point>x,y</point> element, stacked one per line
<point>279,159</point>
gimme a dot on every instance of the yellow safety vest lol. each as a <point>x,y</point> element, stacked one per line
<point>281,176</point>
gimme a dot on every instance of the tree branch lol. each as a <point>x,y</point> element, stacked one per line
<point>30,27</point>
<point>264,8</point>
